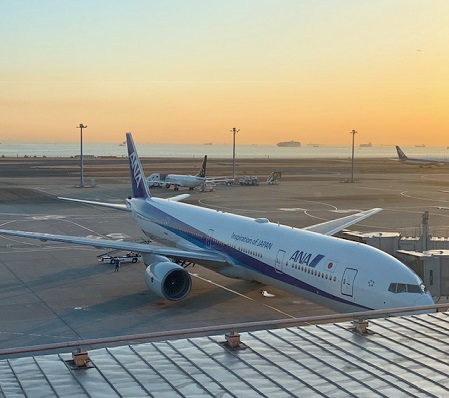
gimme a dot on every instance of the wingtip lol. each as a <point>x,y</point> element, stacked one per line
<point>373,210</point>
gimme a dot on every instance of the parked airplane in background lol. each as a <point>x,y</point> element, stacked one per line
<point>179,180</point>
<point>421,162</point>
<point>343,275</point>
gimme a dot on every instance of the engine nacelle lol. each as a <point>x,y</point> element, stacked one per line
<point>168,280</point>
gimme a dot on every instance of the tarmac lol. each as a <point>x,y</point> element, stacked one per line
<point>52,292</point>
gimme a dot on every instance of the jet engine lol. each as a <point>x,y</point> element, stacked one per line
<point>168,280</point>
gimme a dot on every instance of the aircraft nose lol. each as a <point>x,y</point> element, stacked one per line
<point>424,299</point>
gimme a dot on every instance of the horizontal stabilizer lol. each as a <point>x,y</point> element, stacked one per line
<point>178,198</point>
<point>92,202</point>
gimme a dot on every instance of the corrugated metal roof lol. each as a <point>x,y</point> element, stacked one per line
<point>398,357</point>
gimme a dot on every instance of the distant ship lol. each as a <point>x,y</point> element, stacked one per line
<point>208,143</point>
<point>289,143</point>
<point>420,146</point>
<point>369,145</point>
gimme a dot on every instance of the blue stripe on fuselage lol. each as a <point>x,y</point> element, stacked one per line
<point>316,260</point>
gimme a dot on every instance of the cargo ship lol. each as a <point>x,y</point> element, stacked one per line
<point>289,143</point>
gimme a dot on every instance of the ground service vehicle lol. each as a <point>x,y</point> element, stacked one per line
<point>249,180</point>
<point>130,257</point>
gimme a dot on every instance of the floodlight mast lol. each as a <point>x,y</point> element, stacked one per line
<point>353,132</point>
<point>234,131</point>
<point>81,127</point>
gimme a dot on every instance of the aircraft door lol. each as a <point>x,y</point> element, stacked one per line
<point>210,234</point>
<point>279,261</point>
<point>347,282</point>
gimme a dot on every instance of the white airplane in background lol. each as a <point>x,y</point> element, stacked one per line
<point>343,275</point>
<point>421,162</point>
<point>179,180</point>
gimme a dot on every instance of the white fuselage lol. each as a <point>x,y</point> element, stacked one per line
<point>421,162</point>
<point>178,180</point>
<point>342,275</point>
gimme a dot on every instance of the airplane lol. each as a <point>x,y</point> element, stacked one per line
<point>343,275</point>
<point>421,162</point>
<point>179,180</point>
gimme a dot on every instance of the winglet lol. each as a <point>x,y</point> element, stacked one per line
<point>138,181</point>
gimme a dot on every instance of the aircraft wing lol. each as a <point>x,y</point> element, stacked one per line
<point>334,226</point>
<point>174,253</point>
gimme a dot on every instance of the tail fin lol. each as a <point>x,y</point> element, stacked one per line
<point>202,172</point>
<point>138,181</point>
<point>401,154</point>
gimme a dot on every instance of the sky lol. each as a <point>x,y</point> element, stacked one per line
<point>188,71</point>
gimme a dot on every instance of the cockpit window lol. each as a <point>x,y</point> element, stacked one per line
<point>406,288</point>
<point>415,288</point>
<point>401,288</point>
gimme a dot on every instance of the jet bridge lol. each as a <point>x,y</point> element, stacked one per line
<point>432,266</point>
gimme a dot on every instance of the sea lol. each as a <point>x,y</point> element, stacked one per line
<point>222,151</point>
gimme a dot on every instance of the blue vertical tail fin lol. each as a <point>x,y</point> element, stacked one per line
<point>401,154</point>
<point>138,181</point>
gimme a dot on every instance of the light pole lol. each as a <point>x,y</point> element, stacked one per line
<point>234,131</point>
<point>81,127</point>
<point>353,132</point>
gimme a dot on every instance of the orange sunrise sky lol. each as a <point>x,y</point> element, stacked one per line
<point>189,71</point>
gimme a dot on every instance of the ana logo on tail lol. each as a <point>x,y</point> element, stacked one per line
<point>135,165</point>
<point>140,189</point>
